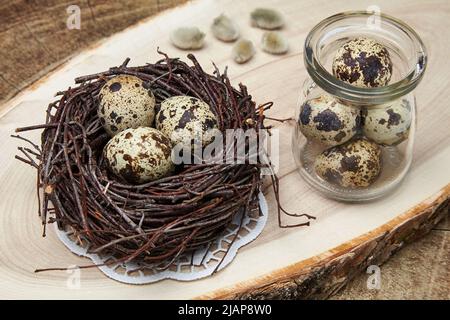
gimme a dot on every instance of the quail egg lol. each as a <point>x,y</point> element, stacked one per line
<point>354,164</point>
<point>389,123</point>
<point>266,18</point>
<point>139,155</point>
<point>363,62</point>
<point>328,121</point>
<point>125,102</point>
<point>225,29</point>
<point>184,118</point>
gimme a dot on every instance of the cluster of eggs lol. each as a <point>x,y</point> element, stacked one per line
<point>142,135</point>
<point>355,135</point>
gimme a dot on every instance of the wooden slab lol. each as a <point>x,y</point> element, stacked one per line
<point>296,263</point>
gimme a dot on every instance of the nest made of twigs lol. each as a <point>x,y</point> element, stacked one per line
<point>155,222</point>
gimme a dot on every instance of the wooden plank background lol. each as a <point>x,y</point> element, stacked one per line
<point>34,38</point>
<point>264,74</point>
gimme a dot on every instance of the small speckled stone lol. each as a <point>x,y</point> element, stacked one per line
<point>355,164</point>
<point>274,42</point>
<point>363,62</point>
<point>266,18</point>
<point>187,38</point>
<point>243,51</point>
<point>225,29</point>
<point>139,155</point>
<point>125,102</point>
<point>183,118</point>
<point>388,124</point>
<point>326,120</point>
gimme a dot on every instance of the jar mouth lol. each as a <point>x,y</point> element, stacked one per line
<point>343,25</point>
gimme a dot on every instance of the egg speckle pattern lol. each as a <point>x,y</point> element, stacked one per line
<point>139,155</point>
<point>363,62</point>
<point>183,118</point>
<point>355,164</point>
<point>125,102</point>
<point>326,120</point>
<point>388,124</point>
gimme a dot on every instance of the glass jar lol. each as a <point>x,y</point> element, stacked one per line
<point>355,143</point>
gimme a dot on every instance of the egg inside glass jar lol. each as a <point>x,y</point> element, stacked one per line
<point>388,124</point>
<point>326,120</point>
<point>355,164</point>
<point>184,119</point>
<point>125,102</point>
<point>139,155</point>
<point>363,62</point>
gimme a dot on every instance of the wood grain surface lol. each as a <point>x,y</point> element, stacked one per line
<point>309,262</point>
<point>34,37</point>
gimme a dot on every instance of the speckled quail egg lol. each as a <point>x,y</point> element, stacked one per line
<point>139,155</point>
<point>388,124</point>
<point>328,121</point>
<point>125,102</point>
<point>266,18</point>
<point>363,62</point>
<point>354,164</point>
<point>184,118</point>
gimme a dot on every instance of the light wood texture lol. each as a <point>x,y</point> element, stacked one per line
<point>304,262</point>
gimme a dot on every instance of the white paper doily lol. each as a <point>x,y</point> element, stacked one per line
<point>187,267</point>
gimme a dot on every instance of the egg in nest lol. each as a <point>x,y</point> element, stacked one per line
<point>388,124</point>
<point>139,155</point>
<point>355,164</point>
<point>184,118</point>
<point>363,62</point>
<point>125,102</point>
<point>328,121</point>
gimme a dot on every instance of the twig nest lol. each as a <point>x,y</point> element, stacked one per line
<point>188,209</point>
<point>184,118</point>
<point>139,155</point>
<point>125,102</point>
<point>274,43</point>
<point>243,51</point>
<point>355,164</point>
<point>363,62</point>
<point>326,120</point>
<point>187,38</point>
<point>388,124</point>
<point>266,18</point>
<point>225,29</point>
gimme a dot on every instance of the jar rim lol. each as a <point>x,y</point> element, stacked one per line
<point>368,95</point>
